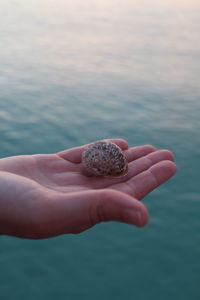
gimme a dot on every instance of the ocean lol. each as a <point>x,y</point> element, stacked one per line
<point>72,72</point>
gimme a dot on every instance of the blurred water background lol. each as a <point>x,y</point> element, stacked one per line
<point>75,71</point>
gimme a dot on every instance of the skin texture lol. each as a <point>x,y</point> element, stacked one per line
<point>45,195</point>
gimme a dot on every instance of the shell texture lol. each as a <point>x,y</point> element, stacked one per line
<point>104,159</point>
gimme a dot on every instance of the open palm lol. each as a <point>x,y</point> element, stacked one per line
<point>45,195</point>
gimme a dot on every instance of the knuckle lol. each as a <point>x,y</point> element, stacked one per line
<point>98,210</point>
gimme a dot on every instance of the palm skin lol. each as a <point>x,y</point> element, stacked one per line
<point>45,195</point>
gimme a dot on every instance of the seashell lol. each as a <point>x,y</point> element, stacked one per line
<point>104,159</point>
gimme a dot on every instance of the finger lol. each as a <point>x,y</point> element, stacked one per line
<point>142,184</point>
<point>139,151</point>
<point>75,154</point>
<point>134,168</point>
<point>141,164</point>
<point>79,211</point>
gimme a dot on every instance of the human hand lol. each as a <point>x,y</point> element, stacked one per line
<point>45,195</point>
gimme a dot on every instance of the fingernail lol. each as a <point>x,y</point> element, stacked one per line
<point>132,217</point>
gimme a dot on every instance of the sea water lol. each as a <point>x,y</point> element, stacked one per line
<point>72,72</point>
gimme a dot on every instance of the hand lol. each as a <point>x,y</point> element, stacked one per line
<point>45,195</point>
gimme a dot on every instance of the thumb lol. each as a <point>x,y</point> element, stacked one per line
<point>112,205</point>
<point>76,212</point>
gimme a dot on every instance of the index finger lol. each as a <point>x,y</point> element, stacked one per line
<point>75,154</point>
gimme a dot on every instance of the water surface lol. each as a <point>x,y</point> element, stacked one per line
<point>72,72</point>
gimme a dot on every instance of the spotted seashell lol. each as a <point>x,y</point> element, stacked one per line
<point>104,159</point>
